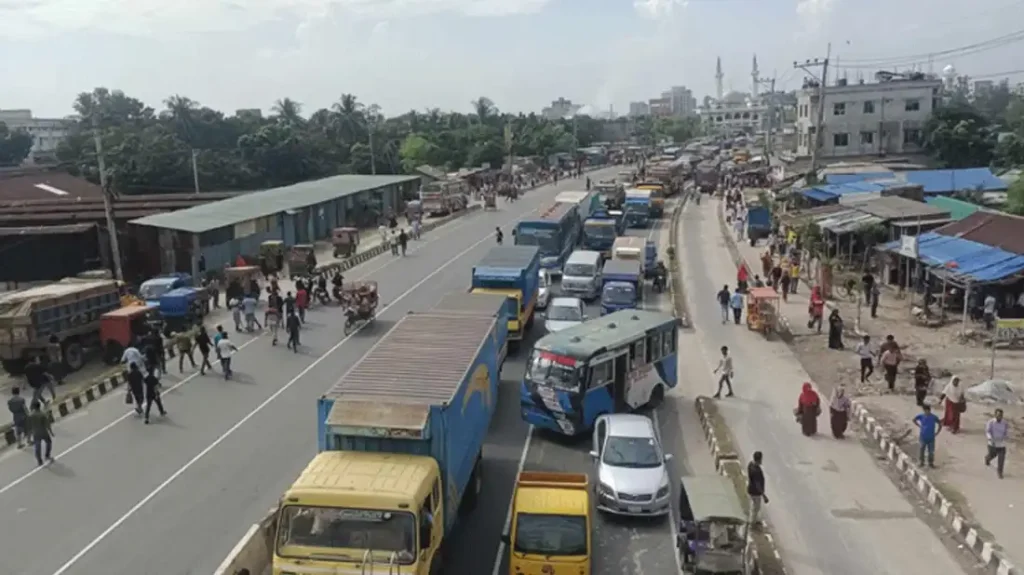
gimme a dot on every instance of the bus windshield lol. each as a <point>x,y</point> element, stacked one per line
<point>600,229</point>
<point>551,535</point>
<point>553,370</point>
<point>544,239</point>
<point>642,209</point>
<point>348,533</point>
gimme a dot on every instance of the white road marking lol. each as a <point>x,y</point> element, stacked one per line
<point>135,508</point>
<point>511,502</point>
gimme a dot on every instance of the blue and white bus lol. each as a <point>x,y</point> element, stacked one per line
<point>616,363</point>
<point>555,231</point>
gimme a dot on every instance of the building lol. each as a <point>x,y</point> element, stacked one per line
<point>660,107</point>
<point>683,102</point>
<point>560,108</point>
<point>886,117</point>
<point>639,109</point>
<point>46,133</point>
<point>298,214</point>
<point>735,112</point>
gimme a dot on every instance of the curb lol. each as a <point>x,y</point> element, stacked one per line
<point>108,383</point>
<point>899,460</point>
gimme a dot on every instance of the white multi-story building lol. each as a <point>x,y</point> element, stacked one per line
<point>886,117</point>
<point>683,102</point>
<point>660,107</point>
<point>560,108</point>
<point>638,109</point>
<point>735,112</point>
<point>46,133</point>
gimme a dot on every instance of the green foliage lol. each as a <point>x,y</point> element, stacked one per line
<point>148,150</point>
<point>14,146</point>
<point>1015,198</point>
<point>959,136</point>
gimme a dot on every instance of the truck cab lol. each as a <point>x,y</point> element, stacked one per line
<point>545,504</point>
<point>512,271</point>
<point>657,190</point>
<point>622,287</point>
<point>153,289</point>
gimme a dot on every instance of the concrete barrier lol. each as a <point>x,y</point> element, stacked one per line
<point>253,552</point>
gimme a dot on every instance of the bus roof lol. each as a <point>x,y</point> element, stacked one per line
<point>555,213</point>
<point>610,331</point>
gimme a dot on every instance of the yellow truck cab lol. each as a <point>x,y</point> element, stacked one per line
<point>551,523</point>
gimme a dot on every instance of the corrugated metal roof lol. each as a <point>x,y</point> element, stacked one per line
<point>897,208</point>
<point>994,229</point>
<point>257,205</point>
<point>479,304</point>
<point>422,360</point>
<point>508,257</point>
<point>800,216</point>
<point>958,209</point>
<point>858,177</point>
<point>849,221</point>
<point>47,186</point>
<point>949,181</point>
<point>47,230</point>
<point>962,259</point>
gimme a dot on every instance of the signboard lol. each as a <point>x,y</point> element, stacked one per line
<point>908,247</point>
<point>1009,330</point>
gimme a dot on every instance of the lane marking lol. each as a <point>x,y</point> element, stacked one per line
<point>511,502</point>
<point>65,568</point>
<point>21,479</point>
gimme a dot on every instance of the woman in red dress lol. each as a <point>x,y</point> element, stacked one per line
<point>742,277</point>
<point>808,408</point>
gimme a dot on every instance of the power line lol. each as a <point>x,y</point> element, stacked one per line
<point>910,60</point>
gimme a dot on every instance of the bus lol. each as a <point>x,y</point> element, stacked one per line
<point>615,363</point>
<point>555,231</point>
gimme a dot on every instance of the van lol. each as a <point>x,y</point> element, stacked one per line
<point>581,274</point>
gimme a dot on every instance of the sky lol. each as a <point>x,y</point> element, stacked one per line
<point>420,54</point>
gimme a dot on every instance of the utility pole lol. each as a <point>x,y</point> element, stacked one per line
<point>769,139</point>
<point>195,170</point>
<point>373,155</point>
<point>820,120</point>
<point>108,208</point>
<point>508,147</point>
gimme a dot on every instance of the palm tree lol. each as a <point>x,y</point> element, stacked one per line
<point>182,111</point>
<point>350,117</point>
<point>484,108</point>
<point>288,111</point>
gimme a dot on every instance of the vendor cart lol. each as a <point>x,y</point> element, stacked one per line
<point>763,304</point>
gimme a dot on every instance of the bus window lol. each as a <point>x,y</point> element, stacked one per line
<point>637,354</point>
<point>668,342</point>
<point>600,374</point>
<point>653,347</point>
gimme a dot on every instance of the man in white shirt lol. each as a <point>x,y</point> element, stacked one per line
<point>133,355</point>
<point>226,349</point>
<point>989,311</point>
<point>997,430</point>
<point>725,368</point>
<point>867,357</point>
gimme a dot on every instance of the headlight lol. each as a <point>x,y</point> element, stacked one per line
<point>662,492</point>
<point>606,490</point>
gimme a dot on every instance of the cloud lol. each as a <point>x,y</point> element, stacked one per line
<point>814,12</point>
<point>658,8</point>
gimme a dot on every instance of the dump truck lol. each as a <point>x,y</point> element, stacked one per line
<point>545,503</point>
<point>514,272</point>
<point>69,309</point>
<point>400,440</point>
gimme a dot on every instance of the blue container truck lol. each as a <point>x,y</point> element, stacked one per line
<point>759,223</point>
<point>622,286</point>
<point>637,208</point>
<point>514,272</point>
<point>556,231</point>
<point>497,306</point>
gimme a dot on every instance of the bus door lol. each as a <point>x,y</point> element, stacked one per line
<point>637,391</point>
<point>620,375</point>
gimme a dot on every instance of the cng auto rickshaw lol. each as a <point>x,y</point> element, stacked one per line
<point>272,256</point>
<point>762,309</point>
<point>713,537</point>
<point>299,262</point>
<point>345,241</point>
<point>123,327</point>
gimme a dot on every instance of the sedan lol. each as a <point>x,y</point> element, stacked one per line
<point>564,312</point>
<point>631,466</point>
<point>544,289</point>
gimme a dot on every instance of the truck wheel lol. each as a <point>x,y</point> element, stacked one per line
<point>14,366</point>
<point>74,357</point>
<point>112,352</point>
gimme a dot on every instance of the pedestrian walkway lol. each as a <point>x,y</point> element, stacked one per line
<point>832,509</point>
<point>994,504</point>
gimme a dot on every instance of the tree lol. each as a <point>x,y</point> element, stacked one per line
<point>15,146</point>
<point>1015,198</point>
<point>959,137</point>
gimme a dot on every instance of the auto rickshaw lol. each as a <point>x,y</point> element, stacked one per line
<point>272,256</point>
<point>345,241</point>
<point>239,281</point>
<point>490,201</point>
<point>122,327</point>
<point>299,260</point>
<point>762,309</point>
<point>713,531</point>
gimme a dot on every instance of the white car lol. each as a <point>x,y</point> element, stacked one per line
<point>631,471</point>
<point>564,312</point>
<point>544,289</point>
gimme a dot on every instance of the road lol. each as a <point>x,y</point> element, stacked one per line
<point>173,497</point>
<point>833,510</point>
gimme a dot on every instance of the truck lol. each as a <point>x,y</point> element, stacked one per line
<point>658,192</point>
<point>514,272</point>
<point>706,177</point>
<point>499,306</point>
<point>586,202</point>
<point>637,208</point>
<point>612,194</point>
<point>632,248</point>
<point>544,503</point>
<point>69,310</point>
<point>154,288</point>
<point>759,222</point>
<point>400,450</point>
<point>623,283</point>
<point>442,197</point>
<point>555,231</point>
<point>600,232</point>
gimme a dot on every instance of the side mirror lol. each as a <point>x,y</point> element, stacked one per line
<point>593,454</point>
<point>506,539</point>
<point>668,457</point>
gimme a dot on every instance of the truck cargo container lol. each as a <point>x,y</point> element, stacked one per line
<point>514,272</point>
<point>637,208</point>
<point>586,202</point>
<point>498,306</point>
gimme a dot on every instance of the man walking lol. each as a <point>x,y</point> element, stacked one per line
<point>19,415</point>
<point>997,430</point>
<point>930,426</point>
<point>249,308</point>
<point>292,325</point>
<point>153,393</point>
<point>403,240</point>
<point>184,343</point>
<point>867,359</point>
<point>725,368</point>
<point>225,350</point>
<point>136,387</point>
<point>204,344</point>
<point>755,488</point>
<point>39,427</point>
<point>723,302</point>
<point>38,380</point>
<point>736,303</point>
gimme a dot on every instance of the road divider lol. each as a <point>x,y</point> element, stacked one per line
<point>250,554</point>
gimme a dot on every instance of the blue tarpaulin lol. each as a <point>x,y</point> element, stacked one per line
<point>858,177</point>
<point>817,195</point>
<point>949,181</point>
<point>826,192</point>
<point>963,258</point>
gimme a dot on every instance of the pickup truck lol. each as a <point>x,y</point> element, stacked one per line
<point>544,503</point>
<point>512,271</point>
<point>400,457</point>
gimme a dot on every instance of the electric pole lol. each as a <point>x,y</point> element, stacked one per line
<point>820,119</point>
<point>195,170</point>
<point>769,139</point>
<point>108,208</point>
<point>508,147</point>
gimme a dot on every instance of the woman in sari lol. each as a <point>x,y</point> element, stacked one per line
<point>839,412</point>
<point>954,403</point>
<point>742,276</point>
<point>835,330</point>
<point>808,408</point>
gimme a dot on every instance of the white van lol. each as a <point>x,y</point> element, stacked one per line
<point>581,274</point>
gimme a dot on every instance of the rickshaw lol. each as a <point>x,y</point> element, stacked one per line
<point>762,309</point>
<point>360,302</point>
<point>490,200</point>
<point>712,537</point>
<point>345,241</point>
<point>272,256</point>
<point>239,281</point>
<point>299,260</point>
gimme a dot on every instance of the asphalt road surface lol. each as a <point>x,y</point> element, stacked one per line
<point>833,511</point>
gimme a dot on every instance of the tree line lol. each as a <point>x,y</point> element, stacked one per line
<point>151,151</point>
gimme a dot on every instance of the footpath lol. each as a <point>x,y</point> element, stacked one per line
<point>970,500</point>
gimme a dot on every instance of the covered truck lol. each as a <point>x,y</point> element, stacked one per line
<point>514,272</point>
<point>499,306</point>
<point>637,208</point>
<point>633,248</point>
<point>586,202</point>
<point>599,233</point>
<point>759,222</point>
<point>706,177</point>
<point>623,286</point>
<point>400,446</point>
<point>442,197</point>
<point>69,309</point>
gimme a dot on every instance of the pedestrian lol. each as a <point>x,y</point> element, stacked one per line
<point>153,348</point>
<point>301,302</point>
<point>794,275</point>
<point>808,408</point>
<point>776,276</point>
<point>873,296</point>
<point>890,358</point>
<point>403,240</point>
<point>835,331</point>
<point>989,311</point>
<point>19,415</point>
<point>55,355</point>
<point>954,403</point>
<point>292,325</point>
<point>922,381</point>
<point>132,355</point>
<point>393,242</point>
<point>815,309</point>
<point>37,379</point>
<point>203,344</point>
<point>289,304</point>
<point>997,430</point>
<point>867,359</point>
<point>136,387</point>
<point>225,351</point>
<point>784,284</point>
<point>930,426</point>
<point>152,381</point>
<point>736,303</point>
<point>756,488</point>
<point>236,313</point>
<point>723,302</point>
<point>416,229</point>
<point>839,411</point>
<point>272,317</point>
<point>726,372</point>
<point>742,276</point>
<point>183,341</point>
<point>249,309</point>
<point>41,430</point>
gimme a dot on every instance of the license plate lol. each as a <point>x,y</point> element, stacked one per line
<point>633,508</point>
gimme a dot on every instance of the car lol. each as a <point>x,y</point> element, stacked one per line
<point>632,475</point>
<point>564,312</point>
<point>544,289</point>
